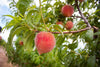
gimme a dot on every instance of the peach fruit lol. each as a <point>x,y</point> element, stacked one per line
<point>81,0</point>
<point>45,42</point>
<point>59,23</point>
<point>67,10</point>
<point>69,25</point>
<point>21,42</point>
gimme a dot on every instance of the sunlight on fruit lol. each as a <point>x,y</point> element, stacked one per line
<point>45,42</point>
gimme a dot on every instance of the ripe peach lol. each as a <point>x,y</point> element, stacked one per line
<point>67,10</point>
<point>69,25</point>
<point>0,38</point>
<point>21,42</point>
<point>59,23</point>
<point>81,0</point>
<point>45,42</point>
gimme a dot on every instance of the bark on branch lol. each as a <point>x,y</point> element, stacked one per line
<point>87,28</point>
<point>77,17</point>
<point>83,17</point>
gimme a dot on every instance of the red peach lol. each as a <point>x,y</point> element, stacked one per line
<point>81,0</point>
<point>21,42</point>
<point>67,10</point>
<point>45,42</point>
<point>59,23</point>
<point>69,25</point>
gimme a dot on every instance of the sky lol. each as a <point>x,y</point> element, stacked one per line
<point>4,10</point>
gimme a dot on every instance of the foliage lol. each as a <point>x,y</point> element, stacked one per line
<point>29,19</point>
<point>2,43</point>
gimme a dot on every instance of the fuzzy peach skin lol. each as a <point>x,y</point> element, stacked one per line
<point>59,23</point>
<point>21,42</point>
<point>69,25</point>
<point>67,10</point>
<point>45,42</point>
<point>81,0</point>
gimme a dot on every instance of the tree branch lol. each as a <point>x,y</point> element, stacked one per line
<point>41,11</point>
<point>77,17</point>
<point>83,17</point>
<point>42,15</point>
<point>87,28</point>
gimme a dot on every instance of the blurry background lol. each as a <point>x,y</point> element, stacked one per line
<point>4,10</point>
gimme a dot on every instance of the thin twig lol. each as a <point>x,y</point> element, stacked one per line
<point>87,28</point>
<point>77,17</point>
<point>41,11</point>
<point>42,15</point>
<point>86,21</point>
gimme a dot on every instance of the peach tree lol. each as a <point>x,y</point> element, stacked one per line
<point>77,43</point>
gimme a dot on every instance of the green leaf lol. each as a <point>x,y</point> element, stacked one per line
<point>15,20</point>
<point>29,41</point>
<point>10,16</point>
<point>15,30</point>
<point>59,40</point>
<point>58,28</point>
<point>29,15</point>
<point>73,45</point>
<point>37,18</point>
<point>33,17</point>
<point>44,0</point>
<point>91,61</point>
<point>22,5</point>
<point>89,35</point>
<point>97,33</point>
